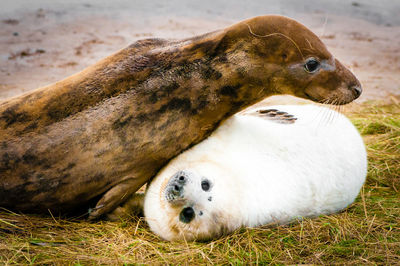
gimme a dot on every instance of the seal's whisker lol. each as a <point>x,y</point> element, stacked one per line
<point>317,114</point>
<point>274,34</point>
<point>335,112</point>
<point>335,107</point>
<point>342,109</point>
<point>338,110</point>
<point>320,115</point>
<point>325,113</point>
<point>324,25</point>
<point>329,113</point>
<point>311,47</point>
<point>175,168</point>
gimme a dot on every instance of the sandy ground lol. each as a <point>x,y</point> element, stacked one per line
<point>43,41</point>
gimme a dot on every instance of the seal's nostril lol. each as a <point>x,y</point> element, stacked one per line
<point>180,177</point>
<point>177,188</point>
<point>187,215</point>
<point>356,90</point>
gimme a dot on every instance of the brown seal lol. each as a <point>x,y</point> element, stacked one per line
<point>104,132</point>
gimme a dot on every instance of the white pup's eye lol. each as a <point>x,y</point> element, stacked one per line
<point>187,215</point>
<point>205,185</point>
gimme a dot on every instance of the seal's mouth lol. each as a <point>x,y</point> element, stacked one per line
<point>313,99</point>
<point>333,100</point>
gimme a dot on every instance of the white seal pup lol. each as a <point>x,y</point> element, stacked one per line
<point>253,171</point>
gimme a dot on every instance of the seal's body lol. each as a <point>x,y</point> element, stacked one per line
<point>105,131</point>
<point>253,171</point>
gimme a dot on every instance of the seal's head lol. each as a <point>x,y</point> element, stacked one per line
<point>258,168</point>
<point>284,57</point>
<point>189,205</point>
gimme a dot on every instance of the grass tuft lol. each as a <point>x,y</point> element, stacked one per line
<point>367,232</point>
<point>379,123</point>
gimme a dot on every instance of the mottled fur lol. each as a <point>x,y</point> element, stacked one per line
<point>108,129</point>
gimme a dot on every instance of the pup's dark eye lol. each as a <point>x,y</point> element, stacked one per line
<point>311,65</point>
<point>187,215</point>
<point>205,185</point>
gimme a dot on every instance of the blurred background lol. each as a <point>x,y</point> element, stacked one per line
<point>43,41</point>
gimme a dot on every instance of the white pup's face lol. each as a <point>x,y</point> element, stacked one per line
<point>190,207</point>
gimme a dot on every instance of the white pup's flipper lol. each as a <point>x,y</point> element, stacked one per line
<point>275,115</point>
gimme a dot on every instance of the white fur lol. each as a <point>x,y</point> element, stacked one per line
<point>262,172</point>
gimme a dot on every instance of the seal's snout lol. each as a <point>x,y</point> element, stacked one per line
<point>187,215</point>
<point>350,82</point>
<point>175,187</point>
<point>356,90</point>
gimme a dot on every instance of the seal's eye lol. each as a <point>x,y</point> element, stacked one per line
<point>205,185</point>
<point>187,215</point>
<point>311,65</point>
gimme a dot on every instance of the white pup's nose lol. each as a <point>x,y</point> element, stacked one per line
<point>175,187</point>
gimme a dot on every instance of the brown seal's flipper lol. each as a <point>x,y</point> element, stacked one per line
<point>276,116</point>
<point>132,207</point>
<point>114,197</point>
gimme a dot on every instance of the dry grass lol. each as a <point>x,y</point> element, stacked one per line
<point>367,232</point>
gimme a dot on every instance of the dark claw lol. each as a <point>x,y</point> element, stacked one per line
<point>267,111</point>
<point>288,116</point>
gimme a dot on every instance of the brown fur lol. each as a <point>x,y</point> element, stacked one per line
<point>108,129</point>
